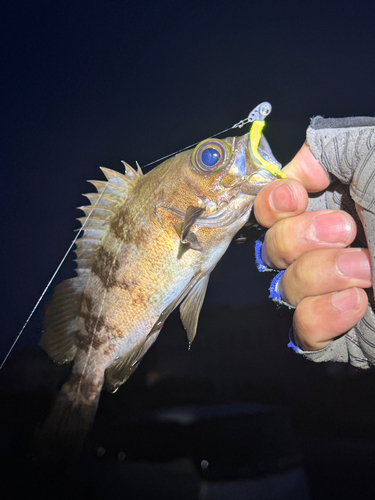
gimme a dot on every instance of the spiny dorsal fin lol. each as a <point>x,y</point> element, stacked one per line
<point>110,194</point>
<point>191,307</point>
<point>110,189</point>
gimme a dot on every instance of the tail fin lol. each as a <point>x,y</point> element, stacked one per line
<point>60,439</point>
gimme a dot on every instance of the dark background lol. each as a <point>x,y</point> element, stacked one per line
<point>85,84</point>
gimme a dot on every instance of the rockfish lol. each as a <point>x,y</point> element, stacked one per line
<point>149,244</point>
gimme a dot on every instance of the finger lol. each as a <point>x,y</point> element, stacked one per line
<point>324,271</point>
<point>286,198</point>
<point>318,320</point>
<point>278,200</point>
<point>306,169</point>
<point>290,238</point>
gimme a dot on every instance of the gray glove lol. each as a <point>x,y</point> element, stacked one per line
<point>345,147</point>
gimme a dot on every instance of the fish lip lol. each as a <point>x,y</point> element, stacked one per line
<point>254,182</point>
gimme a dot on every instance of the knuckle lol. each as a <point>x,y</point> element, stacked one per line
<point>306,325</point>
<point>301,271</point>
<point>301,329</point>
<point>296,282</point>
<point>309,276</point>
<point>281,242</point>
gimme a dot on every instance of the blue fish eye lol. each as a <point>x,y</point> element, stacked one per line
<point>210,157</point>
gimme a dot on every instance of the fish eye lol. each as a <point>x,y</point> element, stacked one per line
<point>211,155</point>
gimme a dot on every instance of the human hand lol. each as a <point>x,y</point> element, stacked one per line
<point>324,279</point>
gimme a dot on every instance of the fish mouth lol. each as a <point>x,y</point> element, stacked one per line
<point>253,183</point>
<point>254,174</point>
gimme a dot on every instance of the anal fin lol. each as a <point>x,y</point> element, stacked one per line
<point>119,371</point>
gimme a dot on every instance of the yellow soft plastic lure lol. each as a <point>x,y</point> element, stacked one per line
<point>258,116</point>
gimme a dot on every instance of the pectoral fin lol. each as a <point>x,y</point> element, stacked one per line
<point>192,242</point>
<point>187,237</point>
<point>191,307</point>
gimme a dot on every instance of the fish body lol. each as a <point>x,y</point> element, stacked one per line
<point>150,243</point>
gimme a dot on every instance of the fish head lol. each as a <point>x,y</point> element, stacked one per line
<point>231,162</point>
<point>222,177</point>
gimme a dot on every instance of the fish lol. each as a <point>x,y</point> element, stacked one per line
<point>149,244</point>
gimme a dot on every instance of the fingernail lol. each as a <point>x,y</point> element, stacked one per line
<point>331,228</point>
<point>283,199</point>
<point>355,264</point>
<point>346,299</point>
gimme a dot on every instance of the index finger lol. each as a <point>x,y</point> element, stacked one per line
<point>286,197</point>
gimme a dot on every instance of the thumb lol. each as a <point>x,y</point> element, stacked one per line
<point>306,169</point>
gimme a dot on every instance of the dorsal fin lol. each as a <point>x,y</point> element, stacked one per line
<point>110,194</point>
<point>61,321</point>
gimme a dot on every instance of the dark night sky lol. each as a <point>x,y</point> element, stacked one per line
<point>91,83</point>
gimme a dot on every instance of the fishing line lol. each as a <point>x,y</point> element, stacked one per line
<point>253,115</point>
<point>240,124</point>
<point>38,301</point>
<point>79,232</point>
